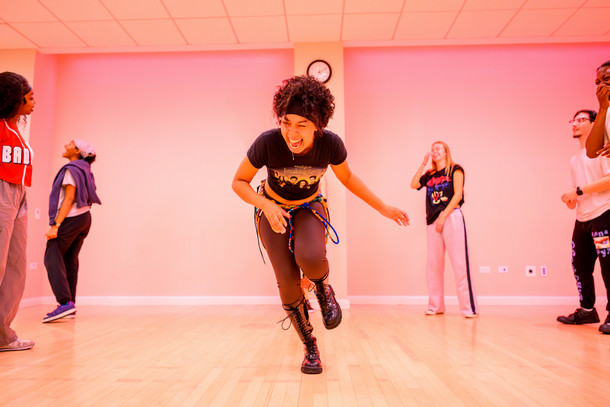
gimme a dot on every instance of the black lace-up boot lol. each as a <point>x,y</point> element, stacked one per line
<point>299,317</point>
<point>331,311</point>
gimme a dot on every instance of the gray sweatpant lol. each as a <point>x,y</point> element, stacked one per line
<point>13,242</point>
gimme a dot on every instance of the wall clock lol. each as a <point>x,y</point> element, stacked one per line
<point>320,70</point>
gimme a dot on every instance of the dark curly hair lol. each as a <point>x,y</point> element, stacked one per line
<point>13,88</point>
<point>318,103</point>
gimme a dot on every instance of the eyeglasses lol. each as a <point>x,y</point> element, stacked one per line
<point>579,120</point>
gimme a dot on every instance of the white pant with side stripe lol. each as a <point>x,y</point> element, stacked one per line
<point>452,240</point>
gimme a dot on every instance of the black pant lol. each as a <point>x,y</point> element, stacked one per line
<point>590,241</point>
<point>309,252</point>
<point>61,256</point>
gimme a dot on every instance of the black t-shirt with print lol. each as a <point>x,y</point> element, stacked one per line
<point>439,191</point>
<point>295,176</point>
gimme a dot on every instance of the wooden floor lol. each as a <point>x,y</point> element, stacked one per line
<point>238,356</point>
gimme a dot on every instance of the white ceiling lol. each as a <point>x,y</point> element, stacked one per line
<point>68,26</point>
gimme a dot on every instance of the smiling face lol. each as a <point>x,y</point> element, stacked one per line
<point>71,152</point>
<point>603,76</point>
<point>438,152</point>
<point>298,132</point>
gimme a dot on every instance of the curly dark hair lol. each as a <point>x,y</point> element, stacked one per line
<point>317,102</point>
<point>13,88</point>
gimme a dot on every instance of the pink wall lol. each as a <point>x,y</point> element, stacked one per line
<point>42,140</point>
<point>170,130</point>
<point>503,110</point>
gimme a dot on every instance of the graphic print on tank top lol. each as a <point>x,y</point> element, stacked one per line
<point>437,189</point>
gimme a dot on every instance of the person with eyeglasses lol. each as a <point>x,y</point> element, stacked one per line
<point>598,142</point>
<point>590,197</point>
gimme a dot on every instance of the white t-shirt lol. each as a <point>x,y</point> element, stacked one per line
<point>75,210</point>
<point>607,129</point>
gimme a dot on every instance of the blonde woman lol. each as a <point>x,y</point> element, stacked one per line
<point>445,230</point>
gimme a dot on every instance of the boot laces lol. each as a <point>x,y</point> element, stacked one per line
<point>312,350</point>
<point>292,311</point>
<point>327,303</point>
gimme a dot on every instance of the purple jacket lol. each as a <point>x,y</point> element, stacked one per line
<point>85,187</point>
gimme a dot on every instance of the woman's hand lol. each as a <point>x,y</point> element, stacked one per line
<point>397,215</point>
<point>426,158</point>
<point>603,95</point>
<point>440,222</point>
<point>52,232</point>
<point>276,216</point>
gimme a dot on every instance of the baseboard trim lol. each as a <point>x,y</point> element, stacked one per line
<point>482,300</point>
<point>171,300</point>
<point>274,300</point>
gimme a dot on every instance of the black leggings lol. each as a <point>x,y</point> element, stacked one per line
<point>309,252</point>
<point>590,241</point>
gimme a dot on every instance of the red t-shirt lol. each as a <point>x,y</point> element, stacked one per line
<point>15,156</point>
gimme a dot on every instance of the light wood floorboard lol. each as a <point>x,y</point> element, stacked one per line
<point>238,356</point>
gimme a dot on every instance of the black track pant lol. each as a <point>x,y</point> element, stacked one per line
<point>61,256</point>
<point>590,241</point>
<point>309,252</point>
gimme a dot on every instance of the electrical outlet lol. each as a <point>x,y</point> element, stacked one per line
<point>484,269</point>
<point>502,269</point>
<point>543,271</point>
<point>530,271</point>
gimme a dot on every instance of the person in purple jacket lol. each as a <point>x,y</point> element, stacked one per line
<point>70,201</point>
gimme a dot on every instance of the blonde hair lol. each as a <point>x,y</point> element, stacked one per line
<point>449,163</point>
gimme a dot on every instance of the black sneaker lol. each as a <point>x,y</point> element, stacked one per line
<point>579,317</point>
<point>605,327</point>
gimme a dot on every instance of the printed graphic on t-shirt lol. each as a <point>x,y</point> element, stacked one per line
<point>436,186</point>
<point>298,177</point>
<point>15,155</point>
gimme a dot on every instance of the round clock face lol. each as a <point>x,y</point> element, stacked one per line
<point>320,70</point>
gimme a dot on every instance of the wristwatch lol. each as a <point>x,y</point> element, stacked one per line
<point>578,191</point>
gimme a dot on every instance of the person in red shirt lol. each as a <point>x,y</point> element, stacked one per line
<point>16,101</point>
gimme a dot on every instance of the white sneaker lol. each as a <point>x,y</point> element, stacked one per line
<point>432,312</point>
<point>17,344</point>
<point>471,315</point>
